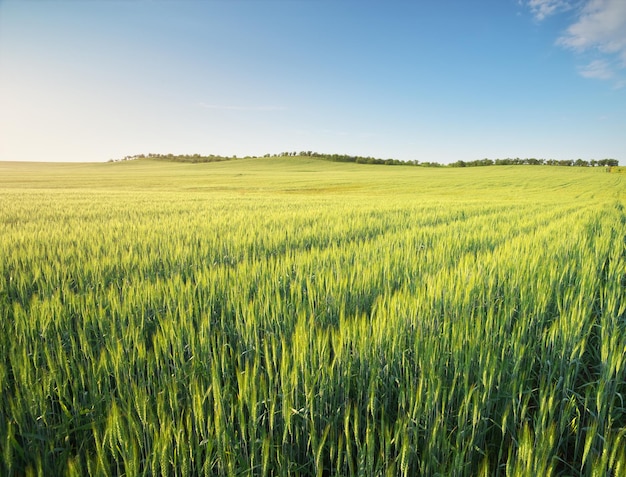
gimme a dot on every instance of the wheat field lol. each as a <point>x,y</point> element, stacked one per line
<point>290,316</point>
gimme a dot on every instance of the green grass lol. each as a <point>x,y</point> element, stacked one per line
<point>289,316</point>
<point>301,175</point>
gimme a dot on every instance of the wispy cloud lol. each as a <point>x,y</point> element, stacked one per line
<point>599,30</point>
<point>541,9</point>
<point>601,25</point>
<point>598,69</point>
<point>240,108</point>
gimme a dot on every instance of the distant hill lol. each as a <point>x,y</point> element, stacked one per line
<point>198,158</point>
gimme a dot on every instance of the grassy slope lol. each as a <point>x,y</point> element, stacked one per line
<point>306,175</point>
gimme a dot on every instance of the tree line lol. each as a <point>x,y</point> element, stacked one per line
<point>193,158</point>
<point>537,162</point>
<point>198,158</point>
<point>479,162</point>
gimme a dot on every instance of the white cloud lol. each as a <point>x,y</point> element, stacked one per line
<point>542,9</point>
<point>598,31</point>
<point>620,84</point>
<point>601,26</point>
<point>598,69</point>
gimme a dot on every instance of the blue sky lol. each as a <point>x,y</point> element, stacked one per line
<point>428,80</point>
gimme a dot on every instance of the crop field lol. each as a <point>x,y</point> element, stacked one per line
<point>290,316</point>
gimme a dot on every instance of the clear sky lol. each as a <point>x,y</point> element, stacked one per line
<point>431,80</point>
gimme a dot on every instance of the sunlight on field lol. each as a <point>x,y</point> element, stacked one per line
<point>299,317</point>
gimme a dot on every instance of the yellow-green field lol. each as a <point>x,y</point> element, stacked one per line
<point>290,316</point>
